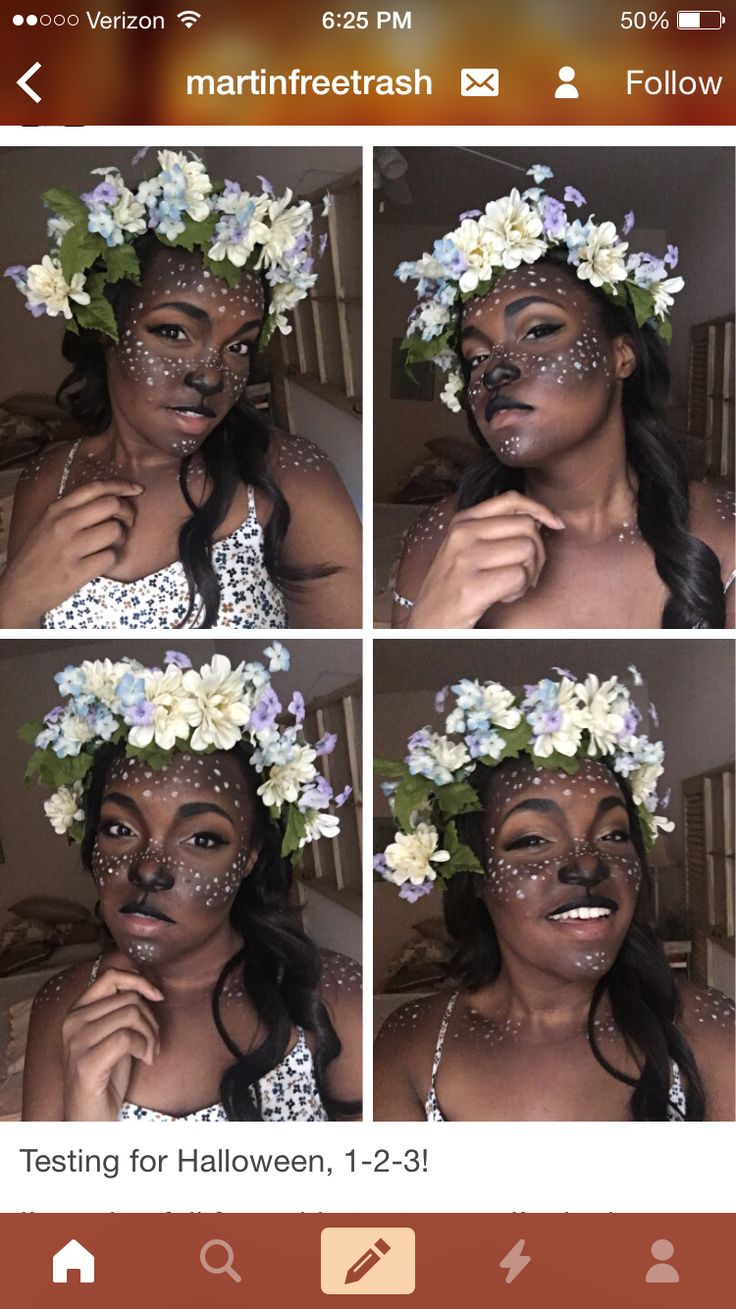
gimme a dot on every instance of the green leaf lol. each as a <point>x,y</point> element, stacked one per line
<point>79,249</point>
<point>223,269</point>
<point>65,203</point>
<point>642,302</point>
<point>517,741</point>
<point>462,859</point>
<point>122,261</point>
<point>197,234</point>
<point>557,762</point>
<point>296,828</point>
<point>97,316</point>
<point>29,731</point>
<point>411,793</point>
<point>458,798</point>
<point>664,329</point>
<point>390,767</point>
<point>152,754</point>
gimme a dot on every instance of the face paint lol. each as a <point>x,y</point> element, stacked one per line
<point>171,851</point>
<point>562,875</point>
<point>185,351</point>
<point>541,369</point>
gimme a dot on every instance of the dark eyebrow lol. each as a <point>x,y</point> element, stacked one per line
<point>516,306</point>
<point>203,807</point>
<point>550,806</point>
<point>193,311</point>
<point>125,801</point>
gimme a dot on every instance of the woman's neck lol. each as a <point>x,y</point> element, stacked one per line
<point>591,487</point>
<point>545,1007</point>
<point>135,456</point>
<point>195,974</point>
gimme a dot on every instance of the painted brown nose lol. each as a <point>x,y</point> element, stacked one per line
<point>206,381</point>
<point>585,870</point>
<point>500,375</point>
<point>151,874</point>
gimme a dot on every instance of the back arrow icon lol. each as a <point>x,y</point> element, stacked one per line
<point>23,82</point>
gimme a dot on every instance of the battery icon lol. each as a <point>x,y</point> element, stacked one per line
<point>700,20</point>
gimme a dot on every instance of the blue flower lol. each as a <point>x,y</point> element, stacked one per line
<point>540,172</point>
<point>130,690</point>
<point>278,657</point>
<point>70,680</point>
<point>102,222</point>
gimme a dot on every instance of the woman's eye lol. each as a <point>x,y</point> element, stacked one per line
<point>617,837</point>
<point>531,842</point>
<point>205,840</point>
<point>169,332</point>
<point>474,361</point>
<point>115,829</point>
<point>241,349</point>
<point>540,330</point>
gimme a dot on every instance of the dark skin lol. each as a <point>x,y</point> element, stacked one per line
<point>170,853</point>
<point>517,1048</point>
<point>545,388</point>
<point>188,342</point>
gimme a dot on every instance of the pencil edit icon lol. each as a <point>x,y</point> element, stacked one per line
<point>367,1260</point>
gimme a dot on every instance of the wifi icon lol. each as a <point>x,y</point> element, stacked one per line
<point>188,17</point>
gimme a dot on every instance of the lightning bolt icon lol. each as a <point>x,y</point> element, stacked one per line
<point>515,1261</point>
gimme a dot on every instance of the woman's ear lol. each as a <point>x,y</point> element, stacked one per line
<point>625,360</point>
<point>252,860</point>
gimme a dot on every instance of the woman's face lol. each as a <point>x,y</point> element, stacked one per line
<point>542,374</point>
<point>171,850</point>
<point>563,875</point>
<point>185,351</point>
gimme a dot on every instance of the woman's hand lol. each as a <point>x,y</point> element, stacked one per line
<point>491,554</point>
<point>76,538</point>
<point>110,1025</point>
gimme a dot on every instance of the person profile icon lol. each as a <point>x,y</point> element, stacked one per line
<point>662,1271</point>
<point>565,90</point>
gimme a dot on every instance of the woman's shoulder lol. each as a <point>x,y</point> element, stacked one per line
<point>712,515</point>
<point>421,543</point>
<point>708,1020</point>
<point>295,459</point>
<point>415,1026</point>
<point>60,992</point>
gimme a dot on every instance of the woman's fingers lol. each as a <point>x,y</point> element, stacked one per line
<point>511,502</point>
<point>129,1018</point>
<point>109,535</point>
<point>91,491</point>
<point>99,510</point>
<point>114,980</point>
<point>109,1004</point>
<point>96,1064</point>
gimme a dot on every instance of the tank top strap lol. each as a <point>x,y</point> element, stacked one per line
<point>441,1038</point>
<point>251,503</point>
<point>95,969</point>
<point>68,468</point>
<point>730,582</point>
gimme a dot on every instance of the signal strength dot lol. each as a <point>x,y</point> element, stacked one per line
<point>188,17</point>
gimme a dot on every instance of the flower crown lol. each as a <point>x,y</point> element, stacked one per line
<point>92,240</point>
<point>157,711</point>
<point>520,229</point>
<point>556,724</point>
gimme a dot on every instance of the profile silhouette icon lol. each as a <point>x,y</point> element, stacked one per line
<point>662,1271</point>
<point>566,91</point>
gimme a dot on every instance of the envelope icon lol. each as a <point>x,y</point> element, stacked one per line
<point>479,81</point>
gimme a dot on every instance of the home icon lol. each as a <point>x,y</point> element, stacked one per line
<point>73,1258</point>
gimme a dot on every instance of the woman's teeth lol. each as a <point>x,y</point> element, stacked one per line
<point>573,914</point>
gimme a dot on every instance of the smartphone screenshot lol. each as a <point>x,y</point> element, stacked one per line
<point>367,593</point>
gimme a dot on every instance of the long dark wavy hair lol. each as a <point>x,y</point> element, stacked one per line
<point>640,986</point>
<point>688,567</point>
<point>278,965</point>
<point>234,453</point>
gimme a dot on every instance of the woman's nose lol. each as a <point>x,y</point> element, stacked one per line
<point>205,380</point>
<point>500,375</point>
<point>584,868</point>
<point>150,872</point>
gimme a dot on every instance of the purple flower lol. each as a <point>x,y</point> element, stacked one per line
<point>654,715</point>
<point>296,706</point>
<point>323,243</point>
<point>563,672</point>
<point>551,721</point>
<point>439,699</point>
<point>573,197</point>
<point>380,865</point>
<point>17,272</point>
<point>632,718</point>
<point>326,744</point>
<point>266,711</point>
<point>672,257</point>
<point>175,657</point>
<point>413,893</point>
<point>140,715</point>
<point>104,194</point>
<point>419,740</point>
<point>629,220</point>
<point>666,798</point>
<point>36,310</point>
<point>343,796</point>
<point>231,188</point>
<point>553,216</point>
<point>470,213</point>
<point>265,184</point>
<point>53,715</point>
<point>140,154</point>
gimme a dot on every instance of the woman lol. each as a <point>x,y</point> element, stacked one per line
<point>180,507</point>
<point>210,1003</point>
<point>566,1009</point>
<point>578,511</point>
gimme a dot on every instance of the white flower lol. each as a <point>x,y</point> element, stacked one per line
<point>430,320</point>
<point>286,225</point>
<point>129,213</point>
<point>515,229</point>
<point>218,706</point>
<point>57,227</point>
<point>479,252</point>
<point>285,780</point>
<point>63,808</point>
<point>663,293</point>
<point>164,690</point>
<point>318,825</point>
<point>556,722</point>
<point>439,760</point>
<point>602,256</point>
<point>185,183</point>
<point>101,678</point>
<point>149,191</point>
<point>599,714</point>
<point>449,394</point>
<point>47,286</point>
<point>411,855</point>
<point>540,172</point>
<point>643,781</point>
<point>489,700</point>
<point>278,657</point>
<point>75,731</point>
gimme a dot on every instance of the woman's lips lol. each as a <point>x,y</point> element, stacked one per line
<point>190,423</point>
<point>584,929</point>
<point>143,924</point>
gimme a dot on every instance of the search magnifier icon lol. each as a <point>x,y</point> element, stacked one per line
<point>226,1267</point>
